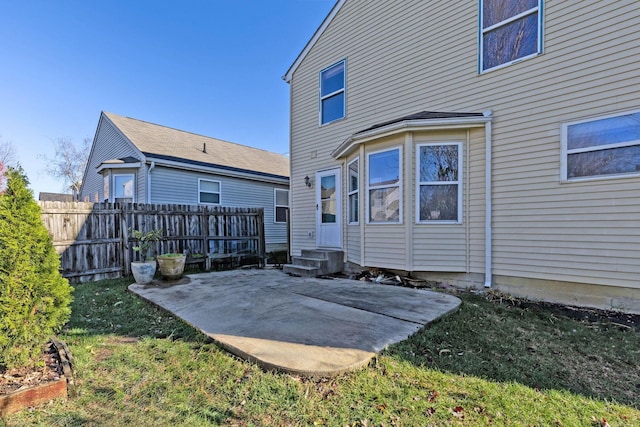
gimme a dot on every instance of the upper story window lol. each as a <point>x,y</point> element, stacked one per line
<point>123,186</point>
<point>332,93</point>
<point>604,147</point>
<point>354,190</point>
<point>510,30</point>
<point>439,183</point>
<point>384,186</point>
<point>281,205</point>
<point>208,192</point>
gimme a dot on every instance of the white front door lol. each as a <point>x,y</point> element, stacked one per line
<point>329,208</point>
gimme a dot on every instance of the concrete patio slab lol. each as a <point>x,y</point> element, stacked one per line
<point>305,326</point>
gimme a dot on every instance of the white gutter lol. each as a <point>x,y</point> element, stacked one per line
<point>212,170</point>
<point>406,126</point>
<point>488,207</point>
<point>153,165</point>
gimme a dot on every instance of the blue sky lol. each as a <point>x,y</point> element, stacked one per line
<point>212,67</point>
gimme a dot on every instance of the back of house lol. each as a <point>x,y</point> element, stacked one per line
<point>482,143</point>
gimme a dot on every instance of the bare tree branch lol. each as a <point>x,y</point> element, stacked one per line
<point>69,162</point>
<point>8,156</point>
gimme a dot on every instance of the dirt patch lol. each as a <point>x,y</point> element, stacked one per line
<point>588,315</point>
<point>48,369</point>
<point>105,351</point>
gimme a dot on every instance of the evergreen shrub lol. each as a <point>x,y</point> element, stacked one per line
<point>35,300</point>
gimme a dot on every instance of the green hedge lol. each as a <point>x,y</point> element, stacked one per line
<point>35,300</point>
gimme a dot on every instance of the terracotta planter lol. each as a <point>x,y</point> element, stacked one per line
<point>143,272</point>
<point>171,265</point>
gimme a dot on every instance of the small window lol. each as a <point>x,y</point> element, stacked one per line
<point>106,179</point>
<point>353,191</point>
<point>123,186</point>
<point>384,187</point>
<point>209,192</point>
<point>509,30</point>
<point>439,185</point>
<point>281,205</point>
<point>332,93</point>
<point>609,146</point>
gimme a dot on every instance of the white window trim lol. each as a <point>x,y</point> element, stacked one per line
<point>106,187</point>
<point>399,185</point>
<point>538,8</point>
<point>219,192</point>
<point>458,182</point>
<point>565,152</point>
<point>329,95</point>
<point>276,205</point>
<point>112,182</point>
<point>350,193</point>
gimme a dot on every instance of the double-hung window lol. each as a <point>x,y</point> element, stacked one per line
<point>123,187</point>
<point>332,93</point>
<point>354,190</point>
<point>281,205</point>
<point>509,30</point>
<point>439,183</point>
<point>384,186</point>
<point>208,192</point>
<point>604,147</point>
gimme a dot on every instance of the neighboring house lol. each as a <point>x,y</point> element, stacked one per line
<point>136,161</point>
<point>481,143</point>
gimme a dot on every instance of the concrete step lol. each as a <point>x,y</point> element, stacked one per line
<point>300,270</point>
<point>314,262</point>
<point>324,261</point>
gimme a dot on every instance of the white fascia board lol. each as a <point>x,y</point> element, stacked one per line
<point>216,171</point>
<point>334,11</point>
<point>408,126</point>
<point>104,166</point>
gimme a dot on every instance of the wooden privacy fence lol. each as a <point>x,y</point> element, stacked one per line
<point>94,242</point>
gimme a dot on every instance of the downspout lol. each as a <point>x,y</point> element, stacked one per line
<point>487,202</point>
<point>153,165</point>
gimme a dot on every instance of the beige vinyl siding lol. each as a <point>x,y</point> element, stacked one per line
<point>475,206</point>
<point>443,247</point>
<point>382,248</point>
<point>382,245</point>
<point>353,235</point>
<point>352,248</point>
<point>410,56</point>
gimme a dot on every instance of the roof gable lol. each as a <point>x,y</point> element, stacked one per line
<point>325,23</point>
<point>161,142</point>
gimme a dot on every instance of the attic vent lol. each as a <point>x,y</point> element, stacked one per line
<point>204,147</point>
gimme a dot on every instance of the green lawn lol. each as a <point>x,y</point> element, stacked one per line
<point>490,363</point>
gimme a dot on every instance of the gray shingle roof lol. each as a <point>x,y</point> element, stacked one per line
<point>173,144</point>
<point>422,115</point>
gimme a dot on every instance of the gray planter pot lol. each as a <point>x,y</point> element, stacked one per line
<point>143,272</point>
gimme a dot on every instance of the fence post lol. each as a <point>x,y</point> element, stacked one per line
<point>261,242</point>
<point>204,228</point>
<point>124,236</point>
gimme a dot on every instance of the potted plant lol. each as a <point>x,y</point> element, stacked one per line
<point>171,265</point>
<point>144,269</point>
